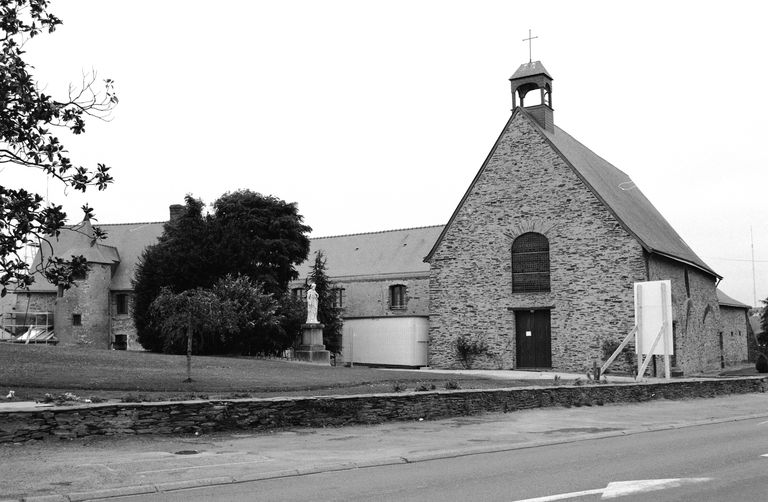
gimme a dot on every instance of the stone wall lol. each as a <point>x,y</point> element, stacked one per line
<point>370,297</point>
<point>122,324</point>
<point>266,414</point>
<point>733,326</point>
<point>695,314</point>
<point>525,186</point>
<point>88,298</point>
<point>35,302</point>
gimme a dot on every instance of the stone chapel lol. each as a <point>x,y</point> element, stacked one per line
<point>538,260</point>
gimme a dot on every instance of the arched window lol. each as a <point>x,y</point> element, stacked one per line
<point>530,263</point>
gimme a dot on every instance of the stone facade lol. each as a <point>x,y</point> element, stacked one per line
<point>122,323</point>
<point>525,186</point>
<point>695,314</point>
<point>35,302</point>
<point>734,333</point>
<point>82,313</point>
<point>369,297</point>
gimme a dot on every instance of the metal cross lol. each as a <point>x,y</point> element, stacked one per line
<point>530,42</point>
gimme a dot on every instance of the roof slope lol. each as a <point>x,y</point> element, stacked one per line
<point>529,69</point>
<point>373,254</point>
<point>726,301</point>
<point>123,245</point>
<point>614,188</point>
<point>620,194</point>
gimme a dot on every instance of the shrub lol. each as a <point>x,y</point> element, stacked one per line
<point>452,385</point>
<point>399,387</point>
<point>762,364</point>
<point>425,387</point>
<point>468,348</point>
<point>609,347</point>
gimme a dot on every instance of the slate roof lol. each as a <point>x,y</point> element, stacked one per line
<point>392,252</point>
<point>530,69</point>
<point>615,189</point>
<point>726,301</point>
<point>123,246</point>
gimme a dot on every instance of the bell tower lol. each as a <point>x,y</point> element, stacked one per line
<point>529,77</point>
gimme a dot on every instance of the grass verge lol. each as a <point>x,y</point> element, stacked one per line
<point>33,371</point>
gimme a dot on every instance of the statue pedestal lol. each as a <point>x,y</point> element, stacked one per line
<point>312,349</point>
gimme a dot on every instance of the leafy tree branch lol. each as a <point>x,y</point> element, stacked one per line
<point>28,117</point>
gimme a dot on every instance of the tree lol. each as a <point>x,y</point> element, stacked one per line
<point>196,316</point>
<point>251,235</point>
<point>27,120</point>
<point>179,261</point>
<point>260,236</point>
<point>762,340</point>
<point>327,312</point>
<point>255,316</point>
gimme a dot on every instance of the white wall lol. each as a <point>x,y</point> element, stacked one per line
<point>398,341</point>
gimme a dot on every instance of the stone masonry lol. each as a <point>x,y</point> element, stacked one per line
<point>695,315</point>
<point>89,299</point>
<point>733,326</point>
<point>526,186</point>
<point>273,413</point>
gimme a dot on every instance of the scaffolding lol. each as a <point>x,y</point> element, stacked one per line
<point>27,328</point>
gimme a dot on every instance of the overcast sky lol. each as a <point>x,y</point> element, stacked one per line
<point>376,115</point>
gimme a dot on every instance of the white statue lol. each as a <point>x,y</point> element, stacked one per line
<point>312,305</point>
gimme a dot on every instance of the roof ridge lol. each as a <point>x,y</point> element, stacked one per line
<point>376,232</point>
<point>133,223</point>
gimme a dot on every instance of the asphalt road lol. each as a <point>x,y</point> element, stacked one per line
<point>718,462</point>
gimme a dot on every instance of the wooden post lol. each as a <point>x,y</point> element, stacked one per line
<point>667,341</point>
<point>639,325</point>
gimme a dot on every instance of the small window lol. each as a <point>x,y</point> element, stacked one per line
<point>297,294</point>
<point>338,298</point>
<point>77,320</point>
<point>79,276</point>
<point>397,296</point>
<point>122,304</point>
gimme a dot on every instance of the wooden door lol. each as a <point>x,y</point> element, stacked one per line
<point>534,344</point>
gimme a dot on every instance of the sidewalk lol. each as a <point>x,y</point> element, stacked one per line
<point>93,468</point>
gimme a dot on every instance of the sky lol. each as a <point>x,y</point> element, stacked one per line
<point>376,115</point>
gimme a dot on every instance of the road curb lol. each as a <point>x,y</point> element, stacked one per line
<point>345,466</point>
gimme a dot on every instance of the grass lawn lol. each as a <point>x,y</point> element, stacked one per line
<point>34,370</point>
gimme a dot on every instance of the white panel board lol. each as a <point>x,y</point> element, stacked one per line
<point>400,341</point>
<point>653,309</point>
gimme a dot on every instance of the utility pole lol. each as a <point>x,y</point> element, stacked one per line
<point>754,282</point>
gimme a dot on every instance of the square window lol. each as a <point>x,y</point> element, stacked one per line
<point>77,320</point>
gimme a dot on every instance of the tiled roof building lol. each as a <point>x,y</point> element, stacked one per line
<point>538,260</point>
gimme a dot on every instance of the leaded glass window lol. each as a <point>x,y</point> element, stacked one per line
<point>530,264</point>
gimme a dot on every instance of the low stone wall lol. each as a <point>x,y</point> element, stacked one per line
<point>263,414</point>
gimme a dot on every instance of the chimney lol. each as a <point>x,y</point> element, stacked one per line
<point>176,210</point>
<point>531,77</point>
